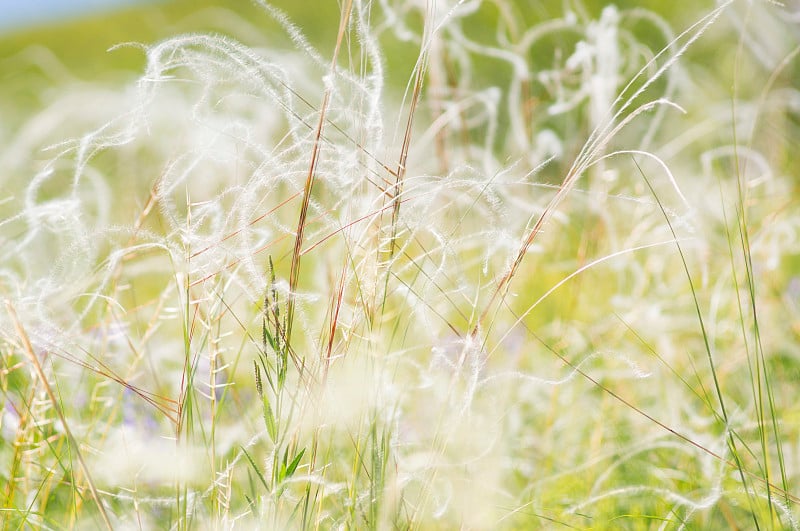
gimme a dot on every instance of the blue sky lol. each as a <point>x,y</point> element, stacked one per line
<point>15,14</point>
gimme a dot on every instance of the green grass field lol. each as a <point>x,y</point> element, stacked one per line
<point>402,265</point>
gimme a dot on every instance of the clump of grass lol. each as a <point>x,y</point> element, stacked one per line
<point>546,284</point>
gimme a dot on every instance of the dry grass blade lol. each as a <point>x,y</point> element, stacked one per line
<point>28,348</point>
<point>294,275</point>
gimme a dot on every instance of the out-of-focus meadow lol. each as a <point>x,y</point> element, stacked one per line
<point>402,264</point>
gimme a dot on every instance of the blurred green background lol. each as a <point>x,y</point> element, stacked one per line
<point>84,48</point>
<point>79,49</point>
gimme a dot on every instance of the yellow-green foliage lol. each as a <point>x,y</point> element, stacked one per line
<point>397,264</point>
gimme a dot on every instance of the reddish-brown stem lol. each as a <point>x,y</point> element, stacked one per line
<point>294,273</point>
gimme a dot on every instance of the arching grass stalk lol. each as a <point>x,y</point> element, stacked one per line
<point>729,430</point>
<point>596,143</point>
